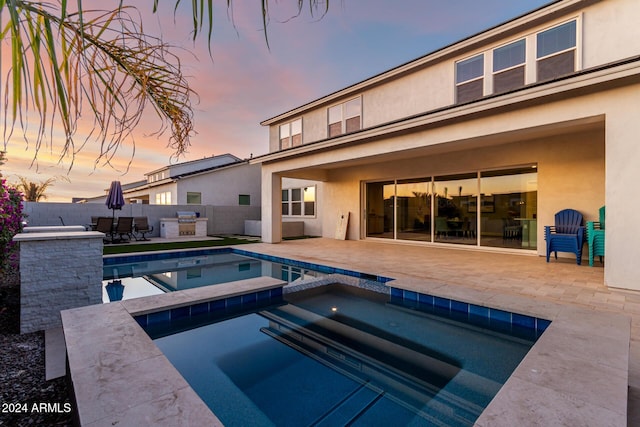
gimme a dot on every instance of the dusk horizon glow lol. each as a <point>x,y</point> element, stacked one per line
<point>246,82</point>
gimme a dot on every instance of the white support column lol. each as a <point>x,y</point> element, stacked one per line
<point>621,195</point>
<point>271,206</point>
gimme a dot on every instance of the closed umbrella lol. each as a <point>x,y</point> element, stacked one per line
<point>115,290</point>
<point>115,198</point>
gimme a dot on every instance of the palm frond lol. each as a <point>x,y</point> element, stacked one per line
<point>66,65</point>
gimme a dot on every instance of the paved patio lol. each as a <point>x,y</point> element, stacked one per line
<point>586,343</point>
<point>500,276</point>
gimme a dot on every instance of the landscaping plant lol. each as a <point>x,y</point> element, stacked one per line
<point>11,217</point>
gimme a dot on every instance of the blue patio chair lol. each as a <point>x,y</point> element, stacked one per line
<point>567,235</point>
<point>595,237</point>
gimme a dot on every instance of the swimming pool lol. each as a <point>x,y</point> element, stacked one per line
<point>337,355</point>
<point>132,276</point>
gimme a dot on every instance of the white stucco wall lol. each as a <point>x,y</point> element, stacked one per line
<point>222,187</point>
<point>606,31</point>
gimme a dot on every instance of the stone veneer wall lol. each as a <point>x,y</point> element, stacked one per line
<point>58,271</point>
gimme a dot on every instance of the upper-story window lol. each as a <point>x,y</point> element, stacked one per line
<point>291,134</point>
<point>163,198</point>
<point>556,51</point>
<point>509,66</point>
<point>345,117</point>
<point>470,79</point>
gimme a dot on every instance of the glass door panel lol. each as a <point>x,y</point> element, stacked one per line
<point>413,216</point>
<point>455,213</point>
<point>509,205</point>
<point>380,208</point>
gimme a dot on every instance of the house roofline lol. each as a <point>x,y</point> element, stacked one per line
<point>166,167</point>
<point>176,178</point>
<point>589,78</point>
<point>519,23</point>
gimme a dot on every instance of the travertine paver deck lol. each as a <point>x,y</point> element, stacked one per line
<point>582,346</point>
<point>120,377</point>
<point>498,275</point>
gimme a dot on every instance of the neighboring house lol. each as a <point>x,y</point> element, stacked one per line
<point>223,180</point>
<point>480,143</point>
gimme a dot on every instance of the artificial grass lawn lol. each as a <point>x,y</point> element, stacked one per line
<point>112,249</point>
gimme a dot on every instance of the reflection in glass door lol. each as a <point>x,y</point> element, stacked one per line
<point>380,209</point>
<point>413,215</point>
<point>509,208</point>
<point>491,208</point>
<point>455,213</point>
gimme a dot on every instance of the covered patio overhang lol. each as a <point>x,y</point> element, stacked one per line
<point>578,118</point>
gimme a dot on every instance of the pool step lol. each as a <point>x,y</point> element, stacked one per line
<point>346,349</point>
<point>350,408</point>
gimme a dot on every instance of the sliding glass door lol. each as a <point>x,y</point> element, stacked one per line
<point>495,208</point>
<point>380,209</point>
<point>454,209</point>
<point>509,208</point>
<point>413,210</point>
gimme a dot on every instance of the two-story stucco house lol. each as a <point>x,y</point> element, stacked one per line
<point>222,180</point>
<point>478,144</point>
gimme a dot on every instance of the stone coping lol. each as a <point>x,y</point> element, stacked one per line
<point>53,228</point>
<point>575,374</point>
<point>118,374</point>
<point>58,235</point>
<point>175,219</point>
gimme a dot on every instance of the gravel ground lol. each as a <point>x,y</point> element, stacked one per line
<point>26,398</point>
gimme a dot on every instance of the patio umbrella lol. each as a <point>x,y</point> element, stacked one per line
<point>115,290</point>
<point>115,198</point>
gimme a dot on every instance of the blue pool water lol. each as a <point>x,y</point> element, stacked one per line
<point>341,355</point>
<point>127,277</point>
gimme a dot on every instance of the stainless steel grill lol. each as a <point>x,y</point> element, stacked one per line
<point>186,223</point>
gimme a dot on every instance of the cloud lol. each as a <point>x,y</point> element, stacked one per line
<point>246,82</point>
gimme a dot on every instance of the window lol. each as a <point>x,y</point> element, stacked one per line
<point>163,198</point>
<point>291,134</point>
<point>556,51</point>
<point>469,79</point>
<point>538,56</point>
<point>345,117</point>
<point>508,66</point>
<point>299,201</point>
<point>244,199</point>
<point>194,198</point>
<point>285,202</point>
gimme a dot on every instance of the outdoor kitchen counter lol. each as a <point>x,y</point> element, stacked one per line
<point>170,228</point>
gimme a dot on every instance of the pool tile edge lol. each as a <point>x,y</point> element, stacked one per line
<point>98,367</point>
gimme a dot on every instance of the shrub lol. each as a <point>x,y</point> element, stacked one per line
<point>11,217</point>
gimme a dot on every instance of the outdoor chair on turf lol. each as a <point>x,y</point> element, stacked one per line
<point>567,235</point>
<point>104,225</point>
<point>124,228</point>
<point>595,237</point>
<point>141,227</point>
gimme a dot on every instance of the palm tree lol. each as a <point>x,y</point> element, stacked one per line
<point>33,192</point>
<point>101,63</point>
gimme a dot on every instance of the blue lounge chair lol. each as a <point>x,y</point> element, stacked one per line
<point>567,235</point>
<point>595,237</point>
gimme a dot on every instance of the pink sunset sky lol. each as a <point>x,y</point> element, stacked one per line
<point>246,82</point>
